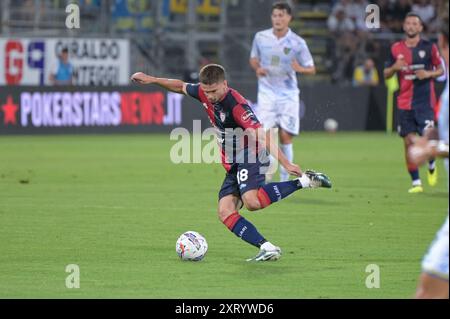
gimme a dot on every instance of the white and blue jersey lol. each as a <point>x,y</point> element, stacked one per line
<point>443,119</point>
<point>276,56</point>
<point>436,260</point>
<point>278,93</point>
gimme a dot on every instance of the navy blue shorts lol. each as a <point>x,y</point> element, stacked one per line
<point>415,121</point>
<point>243,178</point>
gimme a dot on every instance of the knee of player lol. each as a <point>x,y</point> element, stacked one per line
<point>223,214</point>
<point>253,205</point>
<point>409,140</point>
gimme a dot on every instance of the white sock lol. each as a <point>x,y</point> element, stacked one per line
<point>417,182</point>
<point>288,151</point>
<point>305,181</point>
<point>432,165</point>
<point>267,246</point>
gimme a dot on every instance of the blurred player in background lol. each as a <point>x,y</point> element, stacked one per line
<point>277,55</point>
<point>418,63</point>
<point>244,183</point>
<point>62,71</point>
<point>433,282</point>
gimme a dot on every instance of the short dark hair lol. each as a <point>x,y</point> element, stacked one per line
<point>212,74</point>
<point>65,50</point>
<point>414,15</point>
<point>282,6</point>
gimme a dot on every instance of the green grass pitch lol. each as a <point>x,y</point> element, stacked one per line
<point>115,205</point>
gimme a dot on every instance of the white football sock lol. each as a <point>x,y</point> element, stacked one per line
<point>305,181</point>
<point>288,151</point>
<point>432,165</point>
<point>267,246</point>
<point>417,182</point>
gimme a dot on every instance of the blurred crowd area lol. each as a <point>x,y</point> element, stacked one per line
<point>350,14</point>
<point>355,47</point>
<point>174,37</point>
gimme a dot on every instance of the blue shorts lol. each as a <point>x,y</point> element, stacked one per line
<point>415,121</point>
<point>244,177</point>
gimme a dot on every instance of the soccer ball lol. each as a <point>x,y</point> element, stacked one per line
<point>331,125</point>
<point>191,246</point>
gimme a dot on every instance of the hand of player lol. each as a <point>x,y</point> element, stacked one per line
<point>422,74</point>
<point>141,78</point>
<point>260,72</point>
<point>400,63</point>
<point>297,67</point>
<point>294,169</point>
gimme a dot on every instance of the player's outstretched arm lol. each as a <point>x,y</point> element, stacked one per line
<point>176,86</point>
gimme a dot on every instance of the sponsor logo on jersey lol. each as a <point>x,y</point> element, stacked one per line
<point>247,116</point>
<point>422,54</point>
<point>223,116</point>
<point>287,50</point>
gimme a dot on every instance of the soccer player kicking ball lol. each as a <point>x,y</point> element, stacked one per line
<point>244,183</point>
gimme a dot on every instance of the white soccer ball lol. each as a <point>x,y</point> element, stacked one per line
<point>331,125</point>
<point>191,246</point>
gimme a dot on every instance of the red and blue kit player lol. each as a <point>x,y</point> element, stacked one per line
<point>417,63</point>
<point>244,184</point>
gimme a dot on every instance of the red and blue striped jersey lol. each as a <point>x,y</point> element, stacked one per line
<point>415,93</point>
<point>231,117</point>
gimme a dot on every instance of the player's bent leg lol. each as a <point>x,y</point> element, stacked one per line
<point>228,214</point>
<point>237,224</point>
<point>274,192</point>
<point>431,287</point>
<point>227,207</point>
<point>251,201</point>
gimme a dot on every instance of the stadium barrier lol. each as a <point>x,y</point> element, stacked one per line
<point>136,109</point>
<point>96,62</point>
